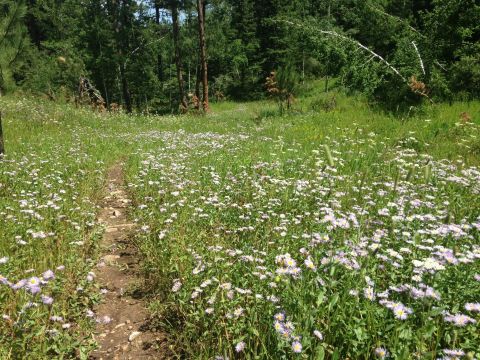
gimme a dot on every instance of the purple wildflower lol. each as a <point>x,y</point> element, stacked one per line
<point>47,300</point>
<point>297,347</point>
<point>401,312</point>
<point>279,316</point>
<point>240,347</point>
<point>454,352</point>
<point>459,319</point>
<point>472,307</point>
<point>19,285</point>
<point>33,285</point>
<point>48,275</point>
<point>381,352</point>
<point>56,318</point>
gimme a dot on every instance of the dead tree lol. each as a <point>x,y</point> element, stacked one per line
<point>88,93</point>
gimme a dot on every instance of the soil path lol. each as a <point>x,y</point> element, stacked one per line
<point>123,322</point>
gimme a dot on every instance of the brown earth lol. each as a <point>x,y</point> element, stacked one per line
<point>123,330</point>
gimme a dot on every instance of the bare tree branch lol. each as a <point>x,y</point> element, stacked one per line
<point>357,43</point>
<point>419,57</point>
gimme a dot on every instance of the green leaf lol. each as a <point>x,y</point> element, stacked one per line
<point>320,353</point>
<point>336,355</point>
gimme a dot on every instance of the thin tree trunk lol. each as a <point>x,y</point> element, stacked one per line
<point>2,147</point>
<point>178,58</point>
<point>106,92</point>
<point>125,90</point>
<point>203,52</point>
<point>159,56</point>
<point>157,12</point>
<point>198,81</point>
<point>303,67</point>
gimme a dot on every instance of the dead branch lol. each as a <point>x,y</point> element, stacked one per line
<point>419,57</point>
<point>357,43</point>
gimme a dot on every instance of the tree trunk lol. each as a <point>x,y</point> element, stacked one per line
<point>157,12</point>
<point>159,56</point>
<point>203,52</point>
<point>198,81</point>
<point>303,67</point>
<point>2,148</point>
<point>178,58</point>
<point>125,91</point>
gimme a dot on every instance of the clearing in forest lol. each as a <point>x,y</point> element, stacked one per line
<point>242,234</point>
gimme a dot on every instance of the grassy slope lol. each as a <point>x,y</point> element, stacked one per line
<point>56,149</point>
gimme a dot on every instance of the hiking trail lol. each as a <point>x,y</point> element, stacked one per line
<point>123,330</point>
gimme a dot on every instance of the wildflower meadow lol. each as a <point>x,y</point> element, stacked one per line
<point>342,235</point>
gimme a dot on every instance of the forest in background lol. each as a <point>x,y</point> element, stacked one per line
<point>146,55</point>
<point>325,206</point>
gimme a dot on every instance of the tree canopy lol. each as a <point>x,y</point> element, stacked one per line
<point>147,55</point>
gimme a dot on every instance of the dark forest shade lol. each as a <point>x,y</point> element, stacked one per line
<point>201,8</point>
<point>141,54</point>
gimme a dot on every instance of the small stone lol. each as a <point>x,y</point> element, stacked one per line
<point>110,259</point>
<point>134,335</point>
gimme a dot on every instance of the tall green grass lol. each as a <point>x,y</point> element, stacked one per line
<point>239,177</point>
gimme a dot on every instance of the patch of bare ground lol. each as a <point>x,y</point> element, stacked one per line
<point>123,330</point>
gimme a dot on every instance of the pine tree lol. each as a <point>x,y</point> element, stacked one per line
<point>244,23</point>
<point>13,40</point>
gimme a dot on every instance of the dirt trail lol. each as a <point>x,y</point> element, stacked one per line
<point>122,330</point>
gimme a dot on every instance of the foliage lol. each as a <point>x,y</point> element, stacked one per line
<point>13,40</point>
<point>126,48</point>
<point>54,71</point>
<point>281,85</point>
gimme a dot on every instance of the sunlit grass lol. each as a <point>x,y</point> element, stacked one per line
<point>258,185</point>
